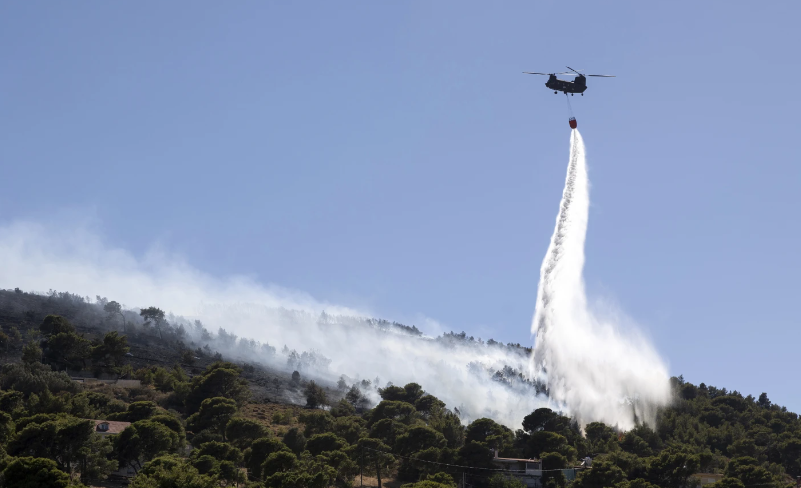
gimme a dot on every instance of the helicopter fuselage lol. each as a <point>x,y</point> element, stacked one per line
<point>577,86</point>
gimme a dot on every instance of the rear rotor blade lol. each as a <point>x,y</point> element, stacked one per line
<point>571,69</point>
<point>603,76</point>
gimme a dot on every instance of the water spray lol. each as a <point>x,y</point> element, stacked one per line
<point>592,368</point>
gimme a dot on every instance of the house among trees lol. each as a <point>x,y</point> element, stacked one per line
<point>109,427</point>
<point>529,471</point>
<point>707,478</point>
<point>118,383</point>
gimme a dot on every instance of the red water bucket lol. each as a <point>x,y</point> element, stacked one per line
<point>572,121</point>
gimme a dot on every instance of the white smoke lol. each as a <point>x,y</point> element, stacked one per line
<point>593,370</point>
<point>590,366</point>
<point>36,257</point>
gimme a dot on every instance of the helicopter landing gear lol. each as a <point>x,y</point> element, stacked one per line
<point>571,94</point>
<point>582,94</point>
<point>555,92</point>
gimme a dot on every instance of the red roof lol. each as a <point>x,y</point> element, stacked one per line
<point>114,427</point>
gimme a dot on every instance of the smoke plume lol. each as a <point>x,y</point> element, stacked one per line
<point>283,329</point>
<point>593,370</point>
<point>592,367</point>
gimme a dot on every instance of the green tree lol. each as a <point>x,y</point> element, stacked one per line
<point>429,405</point>
<point>354,397</point>
<point>258,453</point>
<point>315,395</point>
<point>278,462</point>
<point>172,472</point>
<point>552,461</point>
<point>637,483</point>
<point>546,419</point>
<point>546,441</point>
<point>489,433</point>
<point>602,475</point>
<point>221,451</point>
<point>242,432</point>
<point>214,414</point>
<point>316,422</point>
<point>5,341</point>
<point>450,425</point>
<point>14,335</point>
<point>94,460</point>
<point>7,427</point>
<point>395,410</point>
<point>392,393</point>
<point>59,438</point>
<point>31,353</point>
<point>748,470</point>
<point>373,456</point>
<point>727,483</point>
<point>67,350</point>
<point>344,468</point>
<point>113,308</point>
<point>295,440</point>
<point>56,324</point>
<point>790,452</point>
<point>428,483</point>
<point>171,423</point>
<point>349,428</point>
<point>418,438</point>
<point>673,468</point>
<point>505,481</point>
<point>136,411</point>
<point>343,408</point>
<point>600,437</point>
<point>111,351</point>
<point>388,430</point>
<point>221,379</point>
<point>442,478</point>
<point>642,441</point>
<point>477,455</point>
<point>143,441</point>
<point>321,443</point>
<point>409,393</point>
<point>153,315</point>
<point>30,472</point>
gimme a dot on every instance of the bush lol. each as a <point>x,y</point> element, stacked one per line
<point>35,378</point>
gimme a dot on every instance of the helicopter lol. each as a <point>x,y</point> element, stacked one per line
<point>579,85</point>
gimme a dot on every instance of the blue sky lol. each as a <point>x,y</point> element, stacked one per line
<point>393,157</point>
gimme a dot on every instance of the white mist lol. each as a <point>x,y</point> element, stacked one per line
<point>593,370</point>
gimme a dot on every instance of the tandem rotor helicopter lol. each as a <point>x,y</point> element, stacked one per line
<point>579,85</point>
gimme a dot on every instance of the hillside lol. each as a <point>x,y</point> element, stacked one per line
<point>202,417</point>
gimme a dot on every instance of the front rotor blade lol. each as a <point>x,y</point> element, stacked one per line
<point>571,69</point>
<point>603,76</point>
<point>530,73</point>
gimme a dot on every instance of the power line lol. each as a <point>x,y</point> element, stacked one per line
<point>462,466</point>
